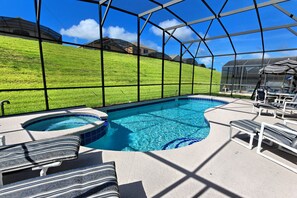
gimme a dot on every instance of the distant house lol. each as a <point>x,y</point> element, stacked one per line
<point>120,45</point>
<point>112,44</point>
<point>145,50</point>
<point>190,61</point>
<point>159,55</point>
<point>23,28</point>
<point>175,57</point>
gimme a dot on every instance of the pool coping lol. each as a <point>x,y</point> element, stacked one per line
<point>19,121</point>
<point>72,131</point>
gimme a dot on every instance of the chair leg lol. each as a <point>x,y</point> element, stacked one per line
<point>1,178</point>
<point>43,169</point>
<point>259,147</point>
<point>251,142</point>
<point>249,146</point>
<point>274,113</point>
<point>260,111</point>
<point>230,133</point>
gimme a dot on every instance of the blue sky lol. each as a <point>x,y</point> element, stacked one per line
<point>78,22</point>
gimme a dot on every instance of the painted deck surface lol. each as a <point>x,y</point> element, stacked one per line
<point>214,167</point>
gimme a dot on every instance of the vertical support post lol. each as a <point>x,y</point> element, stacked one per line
<point>262,65</point>
<point>37,11</point>
<point>211,74</point>
<point>138,59</point>
<point>241,78</point>
<point>163,52</point>
<point>101,54</point>
<point>193,71</point>
<point>233,74</point>
<point>180,68</point>
<point>227,77</point>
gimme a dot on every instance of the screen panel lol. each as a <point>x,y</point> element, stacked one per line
<point>120,95</point>
<point>23,101</point>
<point>222,76</point>
<point>60,98</point>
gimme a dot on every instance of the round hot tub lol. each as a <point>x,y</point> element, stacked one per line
<point>60,122</point>
<point>90,127</point>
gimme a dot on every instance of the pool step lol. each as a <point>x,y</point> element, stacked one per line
<point>180,142</point>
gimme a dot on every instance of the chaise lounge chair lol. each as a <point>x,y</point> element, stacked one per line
<point>38,155</point>
<point>284,137</point>
<point>261,102</point>
<point>93,181</point>
<point>286,106</point>
<point>283,105</point>
<point>249,127</point>
<point>278,133</point>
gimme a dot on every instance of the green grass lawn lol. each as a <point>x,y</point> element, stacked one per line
<point>69,66</point>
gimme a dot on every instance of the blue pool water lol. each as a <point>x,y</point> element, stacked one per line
<point>161,126</point>
<point>61,122</point>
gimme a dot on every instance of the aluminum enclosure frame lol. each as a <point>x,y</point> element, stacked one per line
<point>145,16</point>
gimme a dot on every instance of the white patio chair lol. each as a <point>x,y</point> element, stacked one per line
<point>284,137</point>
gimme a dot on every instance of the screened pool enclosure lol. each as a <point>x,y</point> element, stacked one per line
<point>57,54</point>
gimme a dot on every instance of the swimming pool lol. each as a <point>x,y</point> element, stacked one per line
<point>160,126</point>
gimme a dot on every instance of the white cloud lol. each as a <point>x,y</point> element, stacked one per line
<point>120,33</point>
<point>205,61</point>
<point>258,56</point>
<point>289,53</point>
<point>86,29</point>
<point>183,33</point>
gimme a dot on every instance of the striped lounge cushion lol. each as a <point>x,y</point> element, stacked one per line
<point>30,154</point>
<point>247,125</point>
<point>255,127</point>
<point>92,181</point>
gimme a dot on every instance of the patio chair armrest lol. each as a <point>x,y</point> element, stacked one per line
<point>286,103</point>
<point>290,122</point>
<point>277,100</point>
<point>264,125</point>
<point>283,100</point>
<point>2,140</point>
<point>288,98</point>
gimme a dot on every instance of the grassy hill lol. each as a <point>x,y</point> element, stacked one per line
<point>69,66</point>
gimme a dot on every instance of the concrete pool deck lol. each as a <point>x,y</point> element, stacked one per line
<point>214,167</point>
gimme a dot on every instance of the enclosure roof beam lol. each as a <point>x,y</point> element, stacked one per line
<point>169,36</point>
<point>208,28</point>
<point>260,5</point>
<point>160,7</point>
<point>102,1</point>
<point>252,52</point>
<point>113,7</point>
<point>179,18</point>
<point>147,19</point>
<point>245,32</point>
<point>187,49</point>
<point>222,25</point>
<point>133,14</point>
<point>106,12</point>
<point>291,30</point>
<point>261,28</point>
<point>285,12</point>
